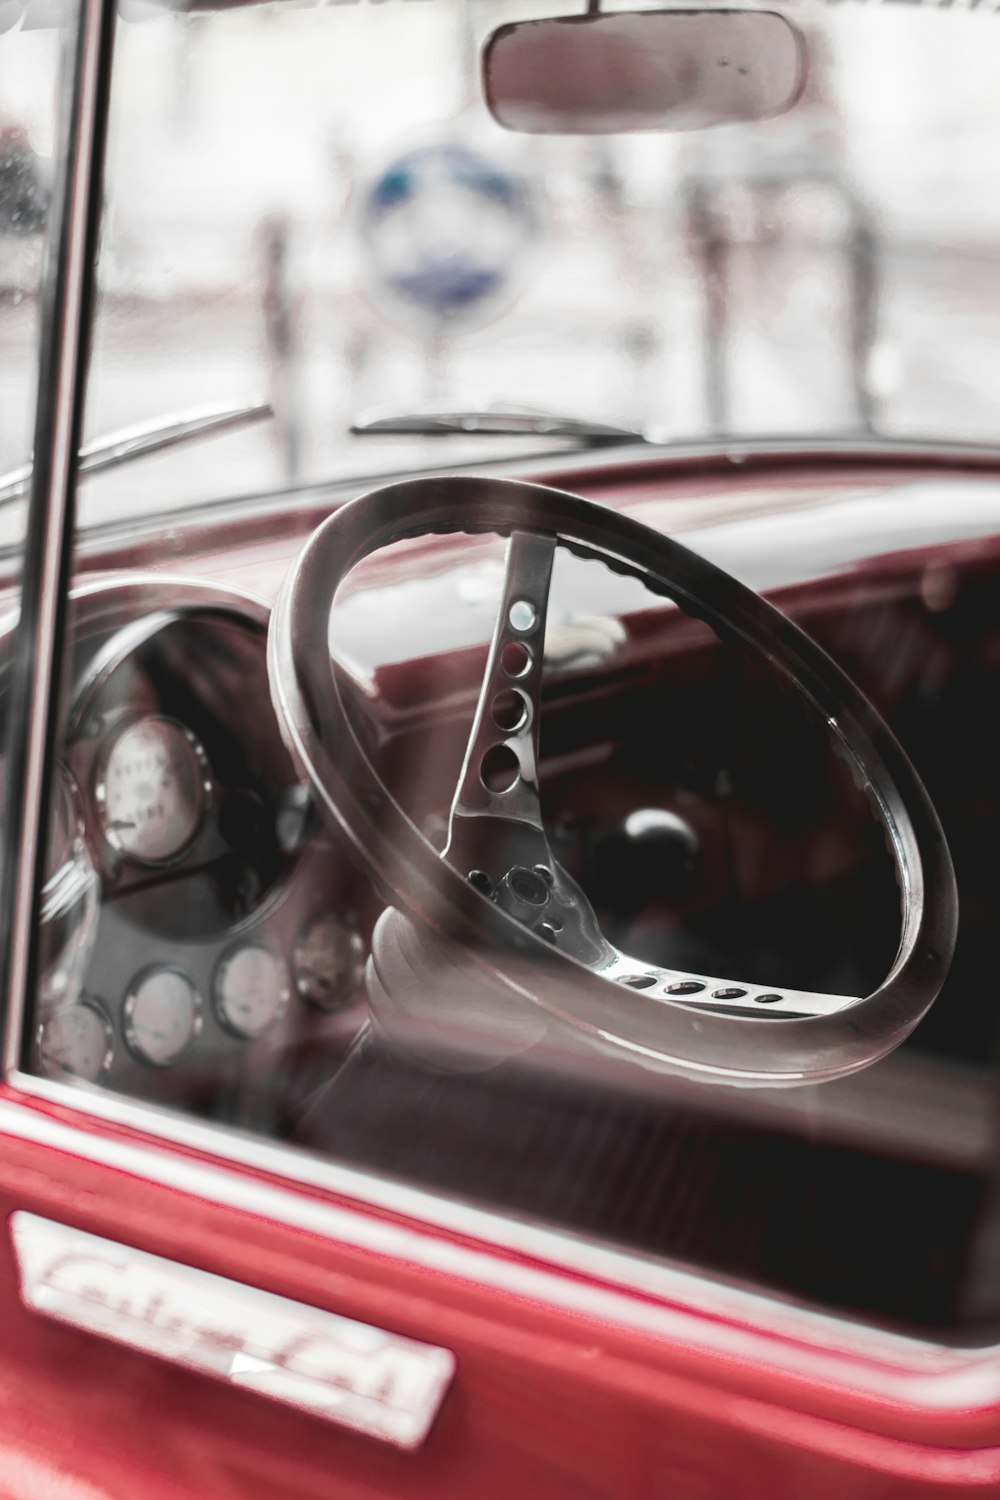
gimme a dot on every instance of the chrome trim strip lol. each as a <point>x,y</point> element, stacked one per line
<point>351,1373</point>
<point>513,1257</point>
<point>144,438</point>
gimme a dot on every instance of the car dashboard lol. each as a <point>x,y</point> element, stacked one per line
<point>196,927</point>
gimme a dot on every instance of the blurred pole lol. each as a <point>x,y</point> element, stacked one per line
<point>437,349</point>
<point>182,73</point>
<point>708,233</point>
<point>281,327</point>
<point>863,273</point>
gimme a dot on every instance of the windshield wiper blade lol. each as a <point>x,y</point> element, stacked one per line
<point>146,437</point>
<point>493,421</point>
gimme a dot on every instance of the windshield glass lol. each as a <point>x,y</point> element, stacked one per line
<point>313,205</point>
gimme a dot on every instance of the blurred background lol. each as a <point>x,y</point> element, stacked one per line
<point>311,203</point>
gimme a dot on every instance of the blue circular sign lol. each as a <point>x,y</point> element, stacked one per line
<point>446,234</point>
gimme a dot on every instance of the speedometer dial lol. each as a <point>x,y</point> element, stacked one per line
<point>162,1015</point>
<point>250,989</point>
<point>152,789</point>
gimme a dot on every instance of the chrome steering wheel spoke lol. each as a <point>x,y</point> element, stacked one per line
<point>496,837</point>
<point>729,996</point>
<point>496,819</point>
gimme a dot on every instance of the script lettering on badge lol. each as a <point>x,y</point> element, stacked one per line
<point>350,1372</point>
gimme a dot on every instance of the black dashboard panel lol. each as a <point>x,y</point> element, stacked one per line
<point>198,929</point>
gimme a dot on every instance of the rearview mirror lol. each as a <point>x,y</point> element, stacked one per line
<point>605,73</point>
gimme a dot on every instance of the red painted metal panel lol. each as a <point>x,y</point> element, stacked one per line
<point>575,1393</point>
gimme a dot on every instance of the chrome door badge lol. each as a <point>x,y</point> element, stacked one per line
<point>361,1377</point>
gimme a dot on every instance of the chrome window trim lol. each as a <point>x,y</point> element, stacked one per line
<point>67,303</point>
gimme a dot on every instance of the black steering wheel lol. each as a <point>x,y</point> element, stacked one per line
<point>489,947</point>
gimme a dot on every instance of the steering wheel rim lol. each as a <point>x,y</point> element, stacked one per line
<point>552,992</point>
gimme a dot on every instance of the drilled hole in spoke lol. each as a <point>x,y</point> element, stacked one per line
<point>499,769</point>
<point>522,615</point>
<point>730,992</point>
<point>767,999</point>
<point>528,886</point>
<point>515,659</point>
<point>639,981</point>
<point>685,987</point>
<point>510,710</point>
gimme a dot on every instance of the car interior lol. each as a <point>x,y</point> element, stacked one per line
<point>237,926</point>
<point>211,930</point>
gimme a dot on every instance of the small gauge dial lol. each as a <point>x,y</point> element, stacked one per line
<point>152,788</point>
<point>250,989</point>
<point>328,960</point>
<point>162,1015</point>
<point>77,1040</point>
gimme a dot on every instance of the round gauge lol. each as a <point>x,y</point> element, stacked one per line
<point>250,989</point>
<point>76,1039</point>
<point>162,1015</point>
<point>152,789</point>
<point>328,960</point>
